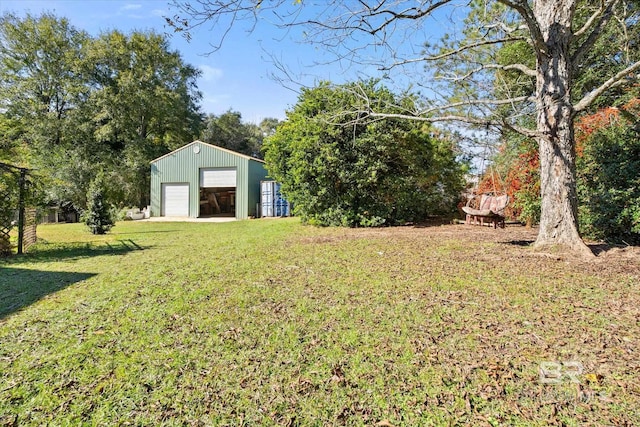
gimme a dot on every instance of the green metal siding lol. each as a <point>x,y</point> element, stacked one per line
<point>257,173</point>
<point>183,165</point>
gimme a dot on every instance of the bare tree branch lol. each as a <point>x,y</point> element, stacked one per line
<point>412,13</point>
<point>214,12</point>
<point>519,67</point>
<point>366,111</point>
<point>469,102</point>
<point>614,81</point>
<point>598,25</point>
<point>598,13</point>
<point>523,131</point>
<point>504,27</point>
<point>523,8</point>
<point>471,46</point>
<point>462,119</point>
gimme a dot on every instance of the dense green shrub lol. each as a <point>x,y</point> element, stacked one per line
<point>609,184</point>
<point>340,169</point>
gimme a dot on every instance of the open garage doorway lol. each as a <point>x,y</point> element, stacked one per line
<point>217,192</point>
<point>218,201</point>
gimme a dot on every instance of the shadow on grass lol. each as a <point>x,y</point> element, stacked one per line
<point>21,287</point>
<point>602,248</point>
<point>435,221</point>
<point>597,248</point>
<point>45,252</point>
<point>520,242</point>
<point>144,232</point>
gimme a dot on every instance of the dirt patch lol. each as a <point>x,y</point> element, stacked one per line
<point>508,245</point>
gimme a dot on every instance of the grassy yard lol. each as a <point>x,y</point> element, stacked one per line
<point>268,322</point>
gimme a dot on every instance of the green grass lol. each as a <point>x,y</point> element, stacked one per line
<point>268,322</point>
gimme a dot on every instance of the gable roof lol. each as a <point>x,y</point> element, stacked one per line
<point>197,141</point>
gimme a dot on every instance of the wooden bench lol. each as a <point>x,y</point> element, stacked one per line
<point>489,208</point>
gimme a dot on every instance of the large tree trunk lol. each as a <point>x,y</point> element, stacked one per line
<point>559,216</point>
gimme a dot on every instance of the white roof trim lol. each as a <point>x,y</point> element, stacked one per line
<point>197,141</point>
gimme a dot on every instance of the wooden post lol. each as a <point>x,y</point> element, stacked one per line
<point>21,195</point>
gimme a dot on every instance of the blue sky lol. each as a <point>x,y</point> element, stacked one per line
<point>236,77</point>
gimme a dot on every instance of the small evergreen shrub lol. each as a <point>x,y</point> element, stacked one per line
<point>98,216</point>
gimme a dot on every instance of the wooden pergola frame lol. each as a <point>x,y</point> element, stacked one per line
<point>22,186</point>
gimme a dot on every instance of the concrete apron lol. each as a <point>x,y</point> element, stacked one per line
<point>188,219</point>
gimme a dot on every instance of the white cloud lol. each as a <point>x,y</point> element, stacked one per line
<point>210,74</point>
<point>131,6</point>
<point>159,12</point>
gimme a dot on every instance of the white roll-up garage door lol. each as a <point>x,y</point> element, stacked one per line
<point>175,199</point>
<point>218,177</point>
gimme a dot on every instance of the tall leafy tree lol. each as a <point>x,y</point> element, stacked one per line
<point>10,132</point>
<point>227,130</point>
<point>268,126</point>
<point>143,104</point>
<point>142,91</point>
<point>72,106</point>
<point>41,73</point>
<point>390,34</point>
<point>339,171</point>
<point>42,94</point>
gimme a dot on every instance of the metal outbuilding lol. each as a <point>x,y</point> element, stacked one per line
<point>204,180</point>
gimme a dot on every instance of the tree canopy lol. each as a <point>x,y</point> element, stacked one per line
<point>339,171</point>
<point>73,106</point>
<point>227,130</point>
